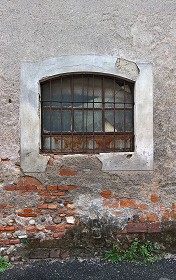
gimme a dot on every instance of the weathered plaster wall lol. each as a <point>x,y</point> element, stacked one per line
<point>139,31</point>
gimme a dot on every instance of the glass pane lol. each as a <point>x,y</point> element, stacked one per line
<point>52,120</point>
<point>56,93</point>
<point>45,89</point>
<point>46,120</point>
<point>123,96</point>
<point>109,90</point>
<point>87,90</point>
<point>66,121</point>
<point>116,94</point>
<point>54,143</point>
<point>87,121</point>
<point>66,91</point>
<point>56,120</point>
<point>128,121</point>
<point>109,121</point>
<point>78,121</point>
<point>97,116</point>
<point>119,120</point>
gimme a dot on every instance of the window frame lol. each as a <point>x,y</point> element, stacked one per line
<point>30,114</point>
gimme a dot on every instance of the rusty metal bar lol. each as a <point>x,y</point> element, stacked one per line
<point>93,88</point>
<point>72,112</point>
<point>103,112</point>
<point>114,84</point>
<point>61,114</point>
<point>124,117</point>
<point>50,116</point>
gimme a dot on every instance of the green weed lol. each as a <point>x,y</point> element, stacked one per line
<point>137,251</point>
<point>3,264</point>
<point>25,241</point>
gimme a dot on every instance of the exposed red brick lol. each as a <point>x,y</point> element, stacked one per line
<point>21,181</point>
<point>142,227</point>
<point>124,230</point>
<point>143,218</point>
<point>41,188</point>
<point>14,241</point>
<point>173,206</point>
<point>107,203</point>
<point>31,181</point>
<point>154,198</point>
<point>106,194</point>
<point>9,228</point>
<point>27,215</point>
<point>42,206</point>
<point>52,206</point>
<point>173,215</point>
<point>166,216</point>
<point>37,211</point>
<point>21,188</point>
<point>31,228</point>
<point>40,227</point>
<point>67,188</point>
<point>50,227</point>
<point>70,212</point>
<point>62,211</point>
<point>60,194</point>
<point>60,227</point>
<point>164,208</point>
<point>9,206</point>
<point>115,204</point>
<point>136,227</point>
<point>143,206</point>
<point>27,210</point>
<point>69,226</point>
<point>5,242</point>
<point>67,202</point>
<point>154,227</point>
<point>10,188</point>
<point>151,217</point>
<point>52,188</point>
<point>31,188</point>
<point>67,172</point>
<point>59,234</point>
<point>128,203</point>
<point>51,162</point>
<point>45,194</point>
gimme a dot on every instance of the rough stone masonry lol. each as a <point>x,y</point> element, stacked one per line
<point>75,207</point>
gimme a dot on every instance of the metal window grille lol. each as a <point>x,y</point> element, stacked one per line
<point>87,113</point>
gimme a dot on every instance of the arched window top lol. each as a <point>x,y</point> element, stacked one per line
<point>87,113</point>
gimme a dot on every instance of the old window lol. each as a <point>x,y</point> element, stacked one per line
<point>87,113</point>
<point>39,133</point>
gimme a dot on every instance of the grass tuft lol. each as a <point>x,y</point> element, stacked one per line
<point>137,251</point>
<point>4,264</point>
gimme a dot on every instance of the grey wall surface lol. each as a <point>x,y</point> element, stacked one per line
<point>141,31</point>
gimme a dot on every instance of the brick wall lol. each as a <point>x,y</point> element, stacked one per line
<point>71,216</point>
